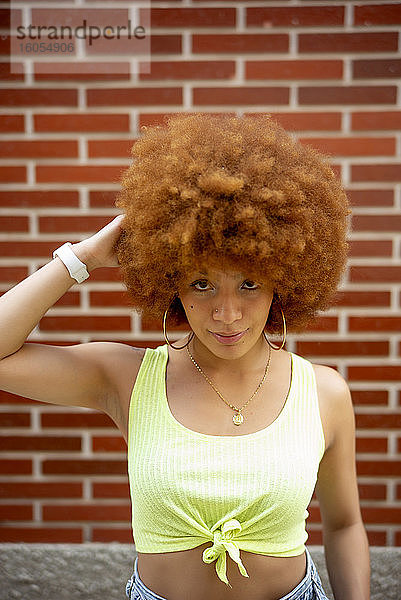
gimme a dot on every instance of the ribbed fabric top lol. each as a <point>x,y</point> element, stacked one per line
<point>244,492</point>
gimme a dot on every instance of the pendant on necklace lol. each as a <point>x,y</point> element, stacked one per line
<point>238,419</point>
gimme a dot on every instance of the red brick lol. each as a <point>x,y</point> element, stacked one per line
<point>110,148</point>
<point>84,467</point>
<point>376,538</point>
<point>323,324</point>
<point>372,491</point>
<point>15,467</point>
<point>10,18</point>
<point>112,534</point>
<point>85,420</point>
<point>375,274</point>
<point>371,445</point>
<point>375,373</point>
<point>15,419</point>
<point>369,397</point>
<point>378,421</point>
<point>102,198</point>
<point>240,43</point>
<point>377,14</point>
<point>372,120</point>
<point>39,443</point>
<point>374,248</point>
<point>86,71</point>
<point>378,468</point>
<point>315,537</point>
<point>39,198</point>
<point>295,16</point>
<point>16,73</point>
<point>312,121</point>
<point>109,444</point>
<point>64,224</point>
<point>370,69</point>
<point>356,298</point>
<point>87,512</point>
<point>29,249</point>
<point>39,149</point>
<point>69,299</point>
<point>343,348</point>
<point>15,512</point>
<point>86,323</point>
<point>8,398</point>
<point>15,224</point>
<point>376,172</point>
<point>371,197</point>
<point>106,274</point>
<point>290,69</point>
<point>373,324</point>
<point>353,146</point>
<point>81,122</point>
<point>193,17</point>
<point>148,324</point>
<point>347,95</point>
<point>99,17</point>
<point>79,174</point>
<point>13,274</point>
<point>12,123</point>
<point>41,535</point>
<point>35,489</point>
<point>240,95</point>
<point>108,298</point>
<point>5,41</point>
<point>386,223</point>
<point>110,490</point>
<point>159,44</point>
<point>38,97</point>
<point>190,69</point>
<point>137,96</point>
<point>11,174</point>
<point>381,514</point>
<point>348,42</point>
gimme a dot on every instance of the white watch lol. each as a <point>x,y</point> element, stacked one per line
<point>76,268</point>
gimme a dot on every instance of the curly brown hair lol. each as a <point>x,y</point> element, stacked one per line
<point>211,188</point>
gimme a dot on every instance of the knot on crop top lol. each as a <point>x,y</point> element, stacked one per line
<point>223,540</point>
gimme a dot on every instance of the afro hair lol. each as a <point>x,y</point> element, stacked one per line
<point>211,188</point>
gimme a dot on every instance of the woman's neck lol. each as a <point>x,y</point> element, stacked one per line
<point>253,360</point>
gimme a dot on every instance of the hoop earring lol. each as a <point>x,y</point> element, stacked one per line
<point>284,333</point>
<point>165,332</point>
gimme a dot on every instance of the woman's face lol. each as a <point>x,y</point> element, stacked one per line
<point>227,310</point>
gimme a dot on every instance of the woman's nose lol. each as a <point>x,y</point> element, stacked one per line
<point>227,311</point>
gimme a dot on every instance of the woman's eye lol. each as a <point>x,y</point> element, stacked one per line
<point>201,285</point>
<point>250,285</point>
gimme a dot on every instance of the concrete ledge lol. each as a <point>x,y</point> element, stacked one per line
<point>100,571</point>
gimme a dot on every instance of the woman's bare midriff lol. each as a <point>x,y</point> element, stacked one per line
<point>184,576</point>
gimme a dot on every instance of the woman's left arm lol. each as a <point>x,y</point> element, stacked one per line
<point>344,536</point>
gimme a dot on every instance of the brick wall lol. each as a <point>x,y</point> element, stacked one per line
<point>329,72</point>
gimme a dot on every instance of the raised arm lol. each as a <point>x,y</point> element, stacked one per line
<point>79,375</point>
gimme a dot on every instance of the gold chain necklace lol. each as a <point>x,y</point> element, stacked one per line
<point>238,418</point>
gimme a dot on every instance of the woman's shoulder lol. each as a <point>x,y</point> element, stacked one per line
<point>334,397</point>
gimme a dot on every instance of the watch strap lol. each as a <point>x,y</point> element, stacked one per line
<point>76,268</point>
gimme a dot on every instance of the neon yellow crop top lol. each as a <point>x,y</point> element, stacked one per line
<point>244,492</point>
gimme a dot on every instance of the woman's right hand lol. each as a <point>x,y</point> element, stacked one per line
<point>98,250</point>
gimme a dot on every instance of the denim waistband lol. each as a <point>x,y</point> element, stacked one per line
<point>309,588</point>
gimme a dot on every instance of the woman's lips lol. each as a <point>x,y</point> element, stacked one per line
<point>228,339</point>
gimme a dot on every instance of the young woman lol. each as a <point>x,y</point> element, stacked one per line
<point>234,228</point>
